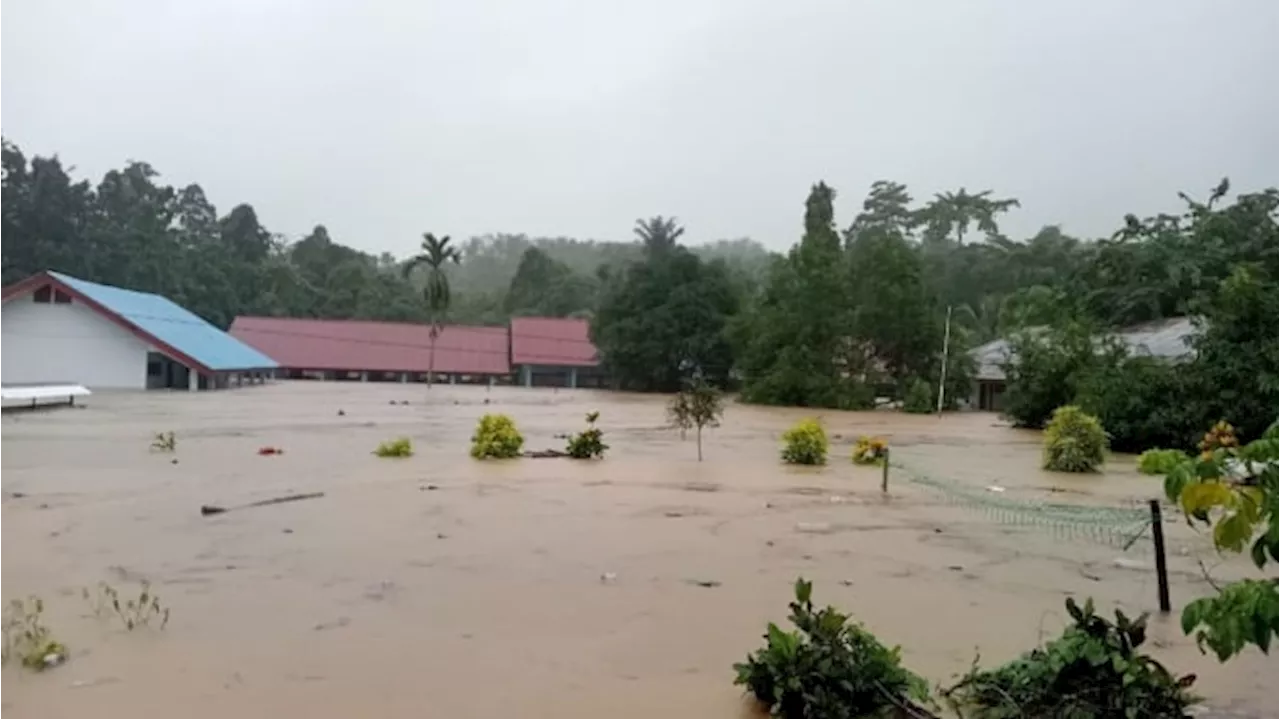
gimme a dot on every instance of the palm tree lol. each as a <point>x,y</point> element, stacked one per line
<point>956,210</point>
<point>436,253</point>
<point>658,234</point>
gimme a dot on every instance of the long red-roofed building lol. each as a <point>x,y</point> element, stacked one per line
<point>535,351</point>
<point>554,351</point>
<point>359,349</point>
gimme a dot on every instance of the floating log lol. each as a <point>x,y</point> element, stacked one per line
<point>210,509</point>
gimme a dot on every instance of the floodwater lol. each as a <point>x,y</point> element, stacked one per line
<point>442,586</point>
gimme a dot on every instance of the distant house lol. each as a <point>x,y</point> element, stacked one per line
<point>59,329</point>
<point>377,351</point>
<point>554,351</point>
<point>1168,338</point>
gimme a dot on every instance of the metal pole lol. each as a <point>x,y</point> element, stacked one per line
<point>946,348</point>
<point>884,476</point>
<point>1162,572</point>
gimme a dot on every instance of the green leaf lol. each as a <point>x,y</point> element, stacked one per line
<point>804,591</point>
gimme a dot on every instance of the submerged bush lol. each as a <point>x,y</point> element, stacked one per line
<point>1093,670</point>
<point>1074,441</point>
<point>587,444</point>
<point>1160,461</point>
<point>27,638</point>
<point>805,443</point>
<point>496,437</point>
<point>870,450</point>
<point>829,667</point>
<point>400,447</point>
<point>919,398</point>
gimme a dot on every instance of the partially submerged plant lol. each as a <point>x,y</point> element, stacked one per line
<point>26,636</point>
<point>1093,670</point>
<point>496,437</point>
<point>400,447</point>
<point>133,613</point>
<point>588,443</point>
<point>829,667</point>
<point>697,405</point>
<point>1074,441</point>
<point>805,443</point>
<point>870,450</point>
<point>1160,461</point>
<point>164,442</point>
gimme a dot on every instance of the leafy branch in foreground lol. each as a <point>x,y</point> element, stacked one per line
<point>829,667</point>
<point>1094,669</point>
<point>1233,489</point>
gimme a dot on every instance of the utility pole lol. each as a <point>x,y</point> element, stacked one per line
<point>946,348</point>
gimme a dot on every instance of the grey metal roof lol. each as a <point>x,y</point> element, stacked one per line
<point>1168,338</point>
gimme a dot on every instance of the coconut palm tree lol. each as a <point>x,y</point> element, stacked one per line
<point>956,210</point>
<point>436,253</point>
<point>658,234</point>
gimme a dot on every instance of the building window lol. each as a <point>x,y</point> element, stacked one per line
<point>44,294</point>
<point>61,298</point>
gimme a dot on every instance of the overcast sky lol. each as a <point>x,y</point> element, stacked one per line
<point>382,120</point>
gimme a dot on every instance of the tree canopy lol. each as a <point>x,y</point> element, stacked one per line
<point>842,317</point>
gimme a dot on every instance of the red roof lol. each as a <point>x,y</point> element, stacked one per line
<point>552,341</point>
<point>359,345</point>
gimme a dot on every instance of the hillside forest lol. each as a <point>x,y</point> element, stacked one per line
<point>855,309</point>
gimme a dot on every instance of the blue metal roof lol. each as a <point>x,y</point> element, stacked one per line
<point>173,325</point>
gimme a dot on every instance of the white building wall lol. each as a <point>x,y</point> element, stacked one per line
<point>47,342</point>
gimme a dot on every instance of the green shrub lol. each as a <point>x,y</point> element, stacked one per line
<point>919,398</point>
<point>870,450</point>
<point>1093,670</point>
<point>830,667</point>
<point>401,447</point>
<point>1044,369</point>
<point>1074,441</point>
<point>805,443</point>
<point>496,437</point>
<point>587,444</point>
<point>1161,461</point>
<point>1142,401</point>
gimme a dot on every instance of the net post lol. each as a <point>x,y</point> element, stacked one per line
<point>1162,571</point>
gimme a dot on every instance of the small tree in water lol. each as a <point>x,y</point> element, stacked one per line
<point>696,406</point>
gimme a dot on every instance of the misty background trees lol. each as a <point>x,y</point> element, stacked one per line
<point>853,310</point>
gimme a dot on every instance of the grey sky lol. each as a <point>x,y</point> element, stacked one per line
<point>554,117</point>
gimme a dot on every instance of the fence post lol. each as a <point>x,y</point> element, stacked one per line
<point>884,476</point>
<point>1162,572</point>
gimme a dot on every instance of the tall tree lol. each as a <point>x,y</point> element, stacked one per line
<point>436,253</point>
<point>955,211</point>
<point>546,287</point>
<point>658,234</point>
<point>664,318</point>
<point>797,344</point>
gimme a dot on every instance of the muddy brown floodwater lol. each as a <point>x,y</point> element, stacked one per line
<point>442,586</point>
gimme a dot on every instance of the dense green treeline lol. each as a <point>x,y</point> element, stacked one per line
<point>132,230</point>
<point>855,309</point>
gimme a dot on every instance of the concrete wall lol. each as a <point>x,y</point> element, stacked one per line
<point>50,342</point>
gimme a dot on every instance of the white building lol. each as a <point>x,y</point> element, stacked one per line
<point>56,329</point>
